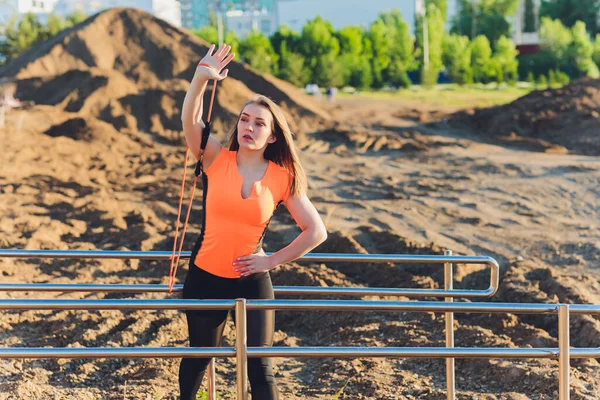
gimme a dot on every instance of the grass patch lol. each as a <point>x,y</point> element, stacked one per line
<point>452,95</point>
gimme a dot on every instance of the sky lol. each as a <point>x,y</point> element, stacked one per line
<point>345,12</point>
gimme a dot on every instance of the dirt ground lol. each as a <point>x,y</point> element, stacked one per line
<point>97,166</point>
<point>425,189</point>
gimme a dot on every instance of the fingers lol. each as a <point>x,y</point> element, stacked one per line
<point>245,271</point>
<point>223,75</point>
<point>227,60</point>
<point>222,53</point>
<point>210,50</point>
<point>242,262</point>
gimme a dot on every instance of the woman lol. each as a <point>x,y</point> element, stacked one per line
<point>243,186</point>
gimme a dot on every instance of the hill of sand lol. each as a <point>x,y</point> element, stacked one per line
<point>95,164</point>
<point>126,67</point>
<point>554,120</point>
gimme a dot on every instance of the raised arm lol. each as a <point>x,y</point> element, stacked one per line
<point>210,67</point>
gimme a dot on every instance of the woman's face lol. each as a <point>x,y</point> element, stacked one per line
<point>255,127</point>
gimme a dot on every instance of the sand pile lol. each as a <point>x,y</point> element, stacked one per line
<point>130,69</point>
<point>554,120</point>
<point>119,190</point>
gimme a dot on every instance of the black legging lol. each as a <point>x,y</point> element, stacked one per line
<point>206,328</point>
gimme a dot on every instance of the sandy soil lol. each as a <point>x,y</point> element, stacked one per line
<point>96,169</point>
<point>423,190</point>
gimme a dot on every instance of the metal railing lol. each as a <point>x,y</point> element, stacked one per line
<point>448,293</point>
<point>281,290</point>
<point>242,352</point>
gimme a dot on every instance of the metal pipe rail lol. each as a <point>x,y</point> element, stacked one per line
<point>242,352</point>
<point>297,305</point>
<point>287,352</point>
<point>279,290</point>
<point>448,292</point>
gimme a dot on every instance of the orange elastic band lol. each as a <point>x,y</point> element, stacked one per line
<point>176,252</point>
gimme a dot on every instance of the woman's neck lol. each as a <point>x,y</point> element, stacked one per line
<point>250,159</point>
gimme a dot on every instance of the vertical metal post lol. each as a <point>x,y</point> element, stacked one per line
<point>212,387</point>
<point>450,382</point>
<point>241,348</point>
<point>563,353</point>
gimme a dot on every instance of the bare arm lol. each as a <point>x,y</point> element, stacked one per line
<point>192,109</point>
<point>313,230</point>
<point>191,113</point>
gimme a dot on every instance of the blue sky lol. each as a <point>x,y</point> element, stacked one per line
<point>345,12</point>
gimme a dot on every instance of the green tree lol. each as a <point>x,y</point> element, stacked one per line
<point>319,47</point>
<point>21,35</point>
<point>552,82</point>
<point>555,38</point>
<point>231,39</point>
<point>401,49</point>
<point>484,17</point>
<point>351,50</point>
<point>361,76</point>
<point>581,52</point>
<point>285,36</point>
<point>256,51</point>
<point>531,79</point>
<point>457,58</point>
<point>542,82</point>
<point>380,43</point>
<point>435,33</point>
<point>481,55</point>
<point>596,54</point>
<point>441,5</point>
<point>563,78</point>
<point>55,24</point>
<point>208,33</point>
<point>555,43</point>
<point>506,59</point>
<point>291,67</point>
<point>530,25</point>
<point>75,18</point>
<point>560,50</point>
<point>571,11</point>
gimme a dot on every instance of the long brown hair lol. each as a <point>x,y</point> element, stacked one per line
<point>283,151</point>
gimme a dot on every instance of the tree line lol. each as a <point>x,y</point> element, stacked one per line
<point>20,35</point>
<point>475,49</point>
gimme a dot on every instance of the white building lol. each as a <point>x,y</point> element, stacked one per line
<point>16,8</point>
<point>244,22</point>
<point>520,37</point>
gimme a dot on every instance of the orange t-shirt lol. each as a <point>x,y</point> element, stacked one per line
<point>234,226</point>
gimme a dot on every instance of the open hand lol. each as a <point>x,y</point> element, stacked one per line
<point>253,264</point>
<point>216,62</point>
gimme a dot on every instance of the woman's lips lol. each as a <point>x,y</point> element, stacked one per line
<point>247,137</point>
